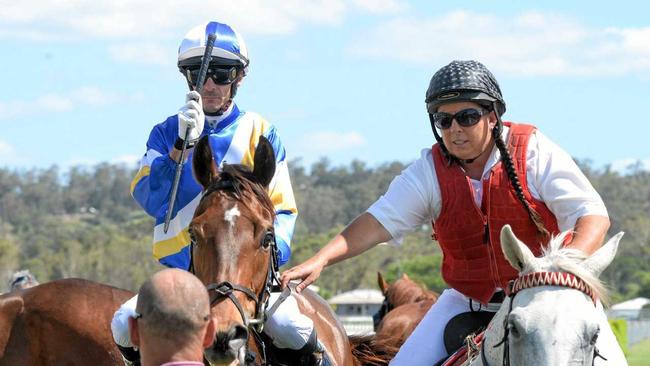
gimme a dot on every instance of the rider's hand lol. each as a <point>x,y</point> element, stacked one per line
<point>191,116</point>
<point>308,272</point>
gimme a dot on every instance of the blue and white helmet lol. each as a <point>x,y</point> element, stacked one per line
<point>229,47</point>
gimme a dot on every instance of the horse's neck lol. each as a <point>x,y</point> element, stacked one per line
<point>493,335</point>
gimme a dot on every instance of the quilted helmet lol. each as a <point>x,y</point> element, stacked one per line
<point>229,47</point>
<point>464,81</point>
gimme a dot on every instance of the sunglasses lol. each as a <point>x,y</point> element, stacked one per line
<point>219,75</point>
<point>465,118</point>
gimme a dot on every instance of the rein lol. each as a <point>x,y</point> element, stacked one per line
<point>536,279</point>
<point>226,289</point>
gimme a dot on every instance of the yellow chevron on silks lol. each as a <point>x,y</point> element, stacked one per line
<point>143,172</point>
<point>260,126</point>
<point>171,246</point>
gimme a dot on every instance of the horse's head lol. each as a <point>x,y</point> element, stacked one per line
<point>552,316</point>
<point>233,243</point>
<point>404,291</point>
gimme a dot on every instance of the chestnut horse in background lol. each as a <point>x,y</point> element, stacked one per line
<point>63,322</point>
<point>233,253</point>
<point>405,304</point>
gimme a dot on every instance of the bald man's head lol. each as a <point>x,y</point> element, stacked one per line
<point>173,305</point>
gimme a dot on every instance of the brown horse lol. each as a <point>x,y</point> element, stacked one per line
<point>405,304</point>
<point>64,322</point>
<point>233,254</point>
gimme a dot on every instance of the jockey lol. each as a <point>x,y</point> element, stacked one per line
<point>489,173</point>
<point>214,113</point>
<point>21,280</point>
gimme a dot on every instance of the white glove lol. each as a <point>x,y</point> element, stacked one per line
<point>191,116</point>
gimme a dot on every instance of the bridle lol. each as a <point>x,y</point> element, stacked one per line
<point>536,279</point>
<point>226,289</point>
<point>377,317</point>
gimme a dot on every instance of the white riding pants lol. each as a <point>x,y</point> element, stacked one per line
<point>426,344</point>
<point>287,326</point>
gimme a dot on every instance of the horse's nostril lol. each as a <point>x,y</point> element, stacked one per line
<point>237,337</point>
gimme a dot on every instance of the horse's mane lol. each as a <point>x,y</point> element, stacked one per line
<point>569,260</point>
<point>239,180</point>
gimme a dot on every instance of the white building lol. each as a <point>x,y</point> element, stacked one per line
<point>355,309</point>
<point>630,309</point>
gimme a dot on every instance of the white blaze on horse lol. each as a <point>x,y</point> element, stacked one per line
<point>554,315</point>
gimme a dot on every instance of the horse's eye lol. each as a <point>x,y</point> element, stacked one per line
<point>269,238</point>
<point>514,326</point>
<point>192,237</point>
<point>594,337</point>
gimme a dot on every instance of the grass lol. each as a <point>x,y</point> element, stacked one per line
<point>639,354</point>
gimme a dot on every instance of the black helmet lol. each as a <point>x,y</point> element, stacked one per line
<point>466,81</point>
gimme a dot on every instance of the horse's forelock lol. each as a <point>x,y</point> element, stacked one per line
<point>241,181</point>
<point>560,258</point>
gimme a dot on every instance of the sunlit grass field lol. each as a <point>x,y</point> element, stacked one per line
<point>639,354</point>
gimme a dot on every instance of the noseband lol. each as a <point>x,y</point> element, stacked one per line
<point>536,279</point>
<point>226,289</point>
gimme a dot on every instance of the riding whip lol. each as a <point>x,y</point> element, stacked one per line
<point>203,71</point>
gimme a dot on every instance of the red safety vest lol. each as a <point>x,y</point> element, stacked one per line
<point>469,236</point>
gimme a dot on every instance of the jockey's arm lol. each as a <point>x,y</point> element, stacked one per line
<point>281,194</point>
<point>589,233</point>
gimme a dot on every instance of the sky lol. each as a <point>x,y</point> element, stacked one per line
<point>83,82</point>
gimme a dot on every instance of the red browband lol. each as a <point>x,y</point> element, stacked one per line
<point>563,279</point>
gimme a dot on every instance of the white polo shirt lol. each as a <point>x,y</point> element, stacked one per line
<point>413,198</point>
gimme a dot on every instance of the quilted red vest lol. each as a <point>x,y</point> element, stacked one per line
<point>469,236</point>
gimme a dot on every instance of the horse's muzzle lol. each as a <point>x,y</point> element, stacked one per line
<point>228,346</point>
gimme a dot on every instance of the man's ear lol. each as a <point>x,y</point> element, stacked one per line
<point>133,331</point>
<point>208,337</point>
<point>240,78</point>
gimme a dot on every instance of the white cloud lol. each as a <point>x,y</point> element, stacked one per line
<point>10,156</point>
<point>128,160</point>
<point>321,142</point>
<point>83,96</point>
<point>131,160</point>
<point>624,166</point>
<point>531,43</point>
<point>6,149</point>
<point>150,19</point>
<point>143,53</point>
<point>381,6</point>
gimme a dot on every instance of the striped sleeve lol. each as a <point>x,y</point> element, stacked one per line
<point>280,191</point>
<point>153,180</point>
<point>151,188</point>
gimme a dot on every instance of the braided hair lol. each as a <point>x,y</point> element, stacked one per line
<point>506,160</point>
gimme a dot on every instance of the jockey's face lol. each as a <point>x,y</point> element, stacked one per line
<point>467,142</point>
<point>214,96</point>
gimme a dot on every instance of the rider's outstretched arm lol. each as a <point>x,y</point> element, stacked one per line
<point>363,233</point>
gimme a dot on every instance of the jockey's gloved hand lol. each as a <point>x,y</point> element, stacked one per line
<point>190,116</point>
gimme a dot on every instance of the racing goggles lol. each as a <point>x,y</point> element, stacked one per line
<point>465,118</point>
<point>220,75</point>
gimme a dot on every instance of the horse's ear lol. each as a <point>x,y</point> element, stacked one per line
<point>203,165</point>
<point>598,261</point>
<point>264,162</point>
<point>405,277</point>
<point>383,285</point>
<point>515,251</point>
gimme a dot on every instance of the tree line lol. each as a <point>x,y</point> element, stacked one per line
<point>83,223</point>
